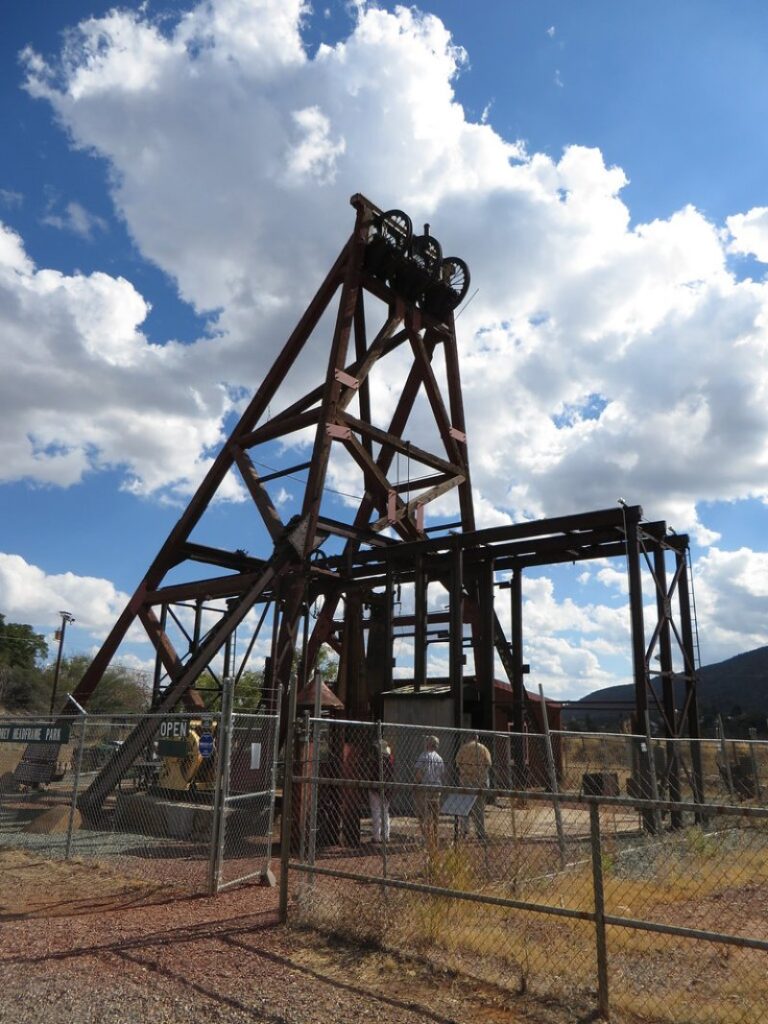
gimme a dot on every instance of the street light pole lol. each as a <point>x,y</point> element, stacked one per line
<point>65,618</point>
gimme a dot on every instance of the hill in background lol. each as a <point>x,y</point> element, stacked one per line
<point>736,688</point>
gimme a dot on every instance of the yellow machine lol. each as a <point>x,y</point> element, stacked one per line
<point>191,771</point>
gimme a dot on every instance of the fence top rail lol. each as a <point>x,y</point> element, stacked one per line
<point>114,716</point>
<point>642,737</point>
<point>509,734</point>
<point>419,728</point>
<point>566,797</point>
<point>254,714</point>
<point>589,735</point>
<point>121,718</point>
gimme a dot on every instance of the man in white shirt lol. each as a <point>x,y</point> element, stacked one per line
<point>429,774</point>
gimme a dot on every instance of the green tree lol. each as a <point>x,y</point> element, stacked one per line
<point>248,693</point>
<point>121,689</point>
<point>21,682</point>
<point>327,663</point>
<point>24,689</point>
<point>20,645</point>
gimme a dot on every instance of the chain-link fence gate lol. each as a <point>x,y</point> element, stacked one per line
<point>245,803</point>
<point>194,812</point>
<point>507,858</point>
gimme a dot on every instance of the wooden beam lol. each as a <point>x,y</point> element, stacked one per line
<point>376,480</point>
<point>406,511</point>
<point>258,492</point>
<point>394,441</point>
<point>432,390</point>
<point>166,652</point>
<point>216,587</point>
<point>278,426</point>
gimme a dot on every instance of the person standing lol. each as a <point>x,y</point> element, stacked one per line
<point>429,775</point>
<point>381,769</point>
<point>473,762</point>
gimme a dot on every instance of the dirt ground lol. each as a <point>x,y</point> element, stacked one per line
<point>80,944</point>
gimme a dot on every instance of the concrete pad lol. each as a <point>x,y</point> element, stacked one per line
<point>54,821</point>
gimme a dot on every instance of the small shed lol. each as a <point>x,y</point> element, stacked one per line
<point>432,704</point>
<point>518,762</point>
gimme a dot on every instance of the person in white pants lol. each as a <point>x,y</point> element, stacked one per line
<point>379,765</point>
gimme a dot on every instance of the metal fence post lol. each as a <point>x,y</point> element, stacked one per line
<point>218,830</point>
<point>600,939</point>
<point>306,811</point>
<point>312,830</point>
<point>268,877</point>
<point>383,798</point>
<point>652,775</point>
<point>286,813</point>
<point>553,779</point>
<point>724,754</point>
<point>755,769</point>
<point>76,785</point>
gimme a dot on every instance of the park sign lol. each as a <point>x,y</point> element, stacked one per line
<point>33,732</point>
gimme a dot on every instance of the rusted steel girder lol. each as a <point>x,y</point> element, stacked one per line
<point>380,542</point>
<point>418,293</point>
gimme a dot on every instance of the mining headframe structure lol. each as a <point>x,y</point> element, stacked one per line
<point>388,299</point>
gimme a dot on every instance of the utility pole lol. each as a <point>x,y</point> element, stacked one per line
<point>66,617</point>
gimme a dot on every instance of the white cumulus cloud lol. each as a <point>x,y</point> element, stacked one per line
<point>29,594</point>
<point>233,154</point>
<point>599,357</point>
<point>83,389</point>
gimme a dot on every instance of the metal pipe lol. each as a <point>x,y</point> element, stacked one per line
<point>755,769</point>
<point>485,650</point>
<point>518,687</point>
<point>267,875</point>
<point>684,600</point>
<point>725,758</point>
<point>76,782</point>
<point>383,797</point>
<point>225,755</point>
<point>553,779</point>
<point>571,799</point>
<point>639,665</point>
<point>664,611</point>
<point>285,822</point>
<point>538,908</point>
<point>456,636</point>
<point>652,773</point>
<point>600,939</point>
<point>436,890</point>
<point>420,633</point>
<point>315,739</point>
<point>65,618</point>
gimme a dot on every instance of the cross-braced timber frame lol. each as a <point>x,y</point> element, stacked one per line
<point>383,545</point>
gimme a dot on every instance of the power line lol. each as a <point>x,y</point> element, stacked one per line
<point>299,480</point>
<point>22,641</point>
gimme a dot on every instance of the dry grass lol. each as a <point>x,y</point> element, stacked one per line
<point>693,879</point>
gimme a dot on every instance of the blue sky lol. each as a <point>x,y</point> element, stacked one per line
<point>170,171</point>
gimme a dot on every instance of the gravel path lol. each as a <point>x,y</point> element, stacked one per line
<point>79,944</point>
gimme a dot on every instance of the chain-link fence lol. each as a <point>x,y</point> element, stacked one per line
<point>246,803</point>
<point>701,770</point>
<point>497,859</point>
<point>193,810</point>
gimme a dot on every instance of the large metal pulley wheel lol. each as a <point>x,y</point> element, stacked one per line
<point>395,228</point>
<point>454,274</point>
<point>426,253</point>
